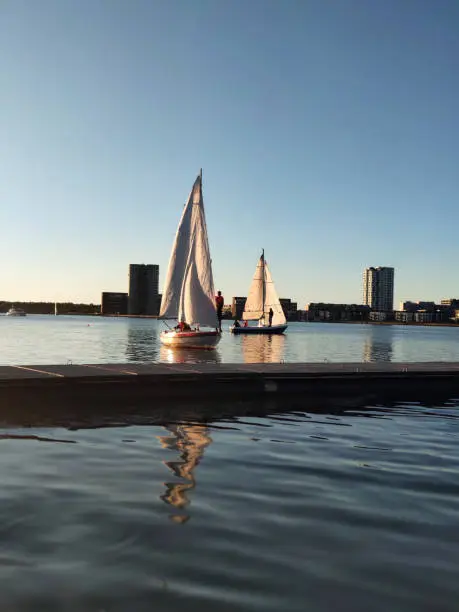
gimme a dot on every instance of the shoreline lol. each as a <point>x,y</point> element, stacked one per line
<point>411,323</point>
<point>398,323</point>
<point>156,317</point>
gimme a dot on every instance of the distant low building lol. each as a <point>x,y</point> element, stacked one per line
<point>379,316</point>
<point>302,315</point>
<point>404,316</point>
<point>408,306</point>
<point>427,312</point>
<point>440,314</point>
<point>290,309</point>
<point>114,303</point>
<point>453,302</point>
<point>415,306</point>
<point>320,311</point>
<point>237,307</point>
<point>424,316</point>
<point>425,305</point>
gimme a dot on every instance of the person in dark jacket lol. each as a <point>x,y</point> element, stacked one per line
<point>219,301</point>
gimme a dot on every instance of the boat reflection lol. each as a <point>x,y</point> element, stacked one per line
<point>378,344</point>
<point>190,441</point>
<point>183,355</point>
<point>263,349</point>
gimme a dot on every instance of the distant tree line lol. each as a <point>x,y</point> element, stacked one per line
<point>63,308</point>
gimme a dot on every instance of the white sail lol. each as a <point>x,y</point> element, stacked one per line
<point>272,300</point>
<point>263,296</point>
<point>253,309</point>
<point>189,290</point>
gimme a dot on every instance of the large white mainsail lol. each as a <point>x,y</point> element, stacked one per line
<point>263,296</point>
<point>188,294</point>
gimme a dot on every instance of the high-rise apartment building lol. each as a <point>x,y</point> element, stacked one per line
<point>143,289</point>
<point>378,288</point>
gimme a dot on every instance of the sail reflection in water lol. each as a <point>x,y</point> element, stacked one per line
<point>190,441</point>
<point>263,349</point>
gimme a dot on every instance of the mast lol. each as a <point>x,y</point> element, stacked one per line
<point>263,280</point>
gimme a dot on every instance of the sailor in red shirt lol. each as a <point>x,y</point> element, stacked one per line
<point>219,301</point>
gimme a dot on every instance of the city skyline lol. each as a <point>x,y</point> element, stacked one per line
<point>229,299</point>
<point>337,153</point>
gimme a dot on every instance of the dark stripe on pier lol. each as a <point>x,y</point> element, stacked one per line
<point>158,379</point>
<point>124,394</point>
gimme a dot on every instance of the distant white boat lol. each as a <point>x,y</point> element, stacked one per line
<point>16,312</point>
<point>188,295</point>
<point>262,302</point>
<point>55,309</point>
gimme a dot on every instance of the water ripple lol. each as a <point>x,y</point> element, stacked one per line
<point>351,510</point>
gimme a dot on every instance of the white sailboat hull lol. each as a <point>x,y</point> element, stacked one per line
<point>190,339</point>
<point>264,329</point>
<point>16,313</point>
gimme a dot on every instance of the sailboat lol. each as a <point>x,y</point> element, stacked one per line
<point>188,295</point>
<point>261,299</point>
<point>55,309</point>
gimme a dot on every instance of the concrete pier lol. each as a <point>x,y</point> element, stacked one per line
<point>157,385</point>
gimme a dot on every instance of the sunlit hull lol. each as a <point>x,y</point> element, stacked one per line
<point>266,330</point>
<point>16,313</point>
<point>190,339</point>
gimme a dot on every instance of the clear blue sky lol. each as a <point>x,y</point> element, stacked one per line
<point>327,131</point>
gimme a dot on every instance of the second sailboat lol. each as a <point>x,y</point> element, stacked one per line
<point>262,305</point>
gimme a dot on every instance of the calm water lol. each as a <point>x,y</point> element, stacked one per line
<point>354,509</point>
<point>49,339</point>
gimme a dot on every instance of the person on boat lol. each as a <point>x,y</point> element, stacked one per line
<point>182,326</point>
<point>236,323</point>
<point>219,301</point>
<point>246,323</point>
<point>270,317</point>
